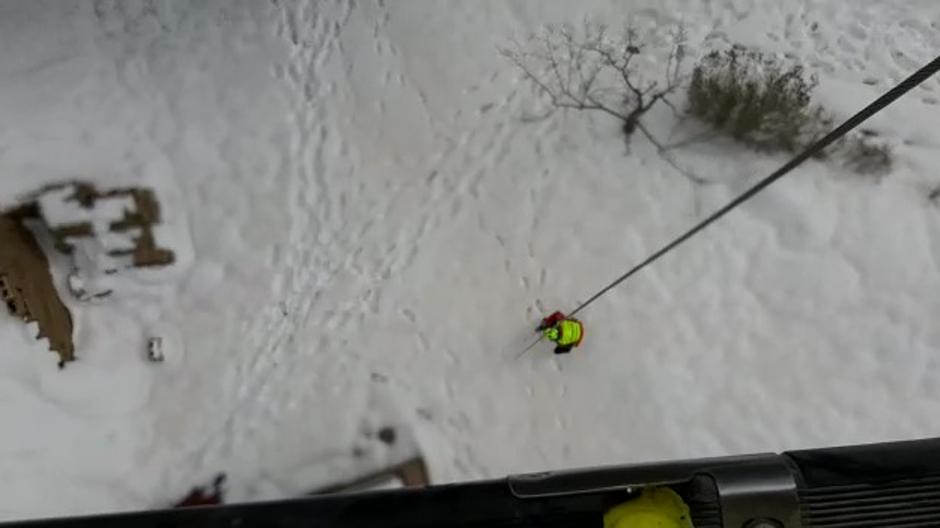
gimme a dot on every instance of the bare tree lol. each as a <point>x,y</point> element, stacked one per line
<point>594,69</point>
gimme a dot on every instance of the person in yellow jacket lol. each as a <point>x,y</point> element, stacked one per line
<point>658,507</point>
<point>565,332</point>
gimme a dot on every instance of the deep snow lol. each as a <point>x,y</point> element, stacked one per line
<point>374,226</point>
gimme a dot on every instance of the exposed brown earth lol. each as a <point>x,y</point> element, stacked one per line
<point>144,216</point>
<point>26,284</point>
<point>27,289</point>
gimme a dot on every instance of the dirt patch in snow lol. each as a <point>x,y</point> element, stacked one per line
<point>412,473</point>
<point>27,288</point>
<point>113,228</point>
<point>136,221</point>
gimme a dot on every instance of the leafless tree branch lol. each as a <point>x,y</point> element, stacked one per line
<point>596,71</point>
<point>691,140</point>
<point>668,158</point>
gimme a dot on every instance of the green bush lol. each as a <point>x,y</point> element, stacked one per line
<point>765,103</point>
<point>756,99</point>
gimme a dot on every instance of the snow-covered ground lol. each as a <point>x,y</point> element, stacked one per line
<point>375,229</point>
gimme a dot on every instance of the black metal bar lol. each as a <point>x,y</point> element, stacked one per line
<point>869,486</point>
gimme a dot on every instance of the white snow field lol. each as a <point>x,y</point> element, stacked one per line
<point>369,227</point>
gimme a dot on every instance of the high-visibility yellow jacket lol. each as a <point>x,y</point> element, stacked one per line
<point>566,332</point>
<point>570,332</point>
